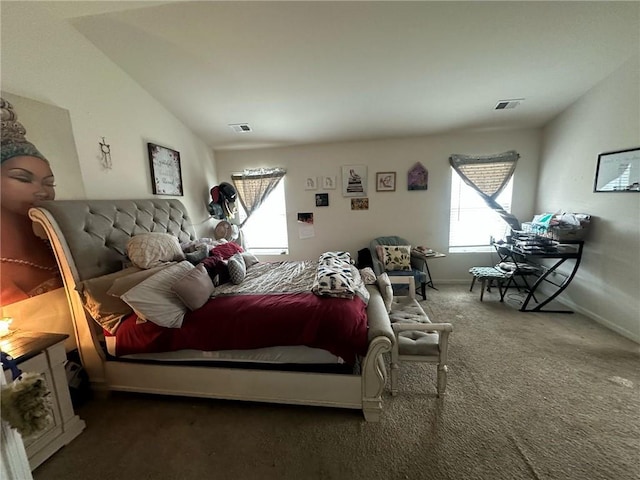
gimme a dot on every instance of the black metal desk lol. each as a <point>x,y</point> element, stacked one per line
<point>569,250</point>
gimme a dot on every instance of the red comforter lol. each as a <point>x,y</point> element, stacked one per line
<point>255,321</point>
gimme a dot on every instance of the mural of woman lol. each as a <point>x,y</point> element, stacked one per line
<point>27,265</point>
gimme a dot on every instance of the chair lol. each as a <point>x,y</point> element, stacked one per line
<point>419,276</point>
<point>417,339</point>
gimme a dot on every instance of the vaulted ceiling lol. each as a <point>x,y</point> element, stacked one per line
<point>311,72</point>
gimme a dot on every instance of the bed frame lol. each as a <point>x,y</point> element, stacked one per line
<point>89,239</point>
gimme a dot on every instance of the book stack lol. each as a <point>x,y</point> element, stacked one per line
<point>424,251</point>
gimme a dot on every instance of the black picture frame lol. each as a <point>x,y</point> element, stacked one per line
<point>322,199</point>
<point>618,172</point>
<point>166,174</point>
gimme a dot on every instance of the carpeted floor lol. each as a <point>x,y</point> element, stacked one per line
<point>530,396</point>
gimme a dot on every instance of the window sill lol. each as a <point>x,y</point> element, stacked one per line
<point>474,249</point>
<point>269,251</point>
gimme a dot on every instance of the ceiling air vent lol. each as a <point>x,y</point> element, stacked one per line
<point>508,104</point>
<point>240,127</point>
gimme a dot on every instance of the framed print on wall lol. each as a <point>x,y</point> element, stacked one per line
<point>385,181</point>
<point>310,183</point>
<point>329,183</point>
<point>354,181</point>
<point>166,176</point>
<point>618,171</point>
<point>359,204</point>
<point>322,199</point>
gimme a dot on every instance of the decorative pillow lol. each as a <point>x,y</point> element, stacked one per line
<point>155,301</point>
<point>122,285</point>
<point>237,268</point>
<point>195,288</point>
<point>249,259</point>
<point>368,276</point>
<point>380,253</point>
<point>397,257</point>
<point>384,285</point>
<point>106,310</point>
<point>148,250</point>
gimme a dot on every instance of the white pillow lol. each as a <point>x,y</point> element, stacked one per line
<point>148,250</point>
<point>155,301</point>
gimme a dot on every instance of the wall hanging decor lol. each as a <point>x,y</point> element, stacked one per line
<point>354,181</point>
<point>166,176</point>
<point>359,204</point>
<point>105,155</point>
<point>385,181</point>
<point>310,183</point>
<point>418,177</point>
<point>329,183</point>
<point>618,171</point>
<point>322,199</point>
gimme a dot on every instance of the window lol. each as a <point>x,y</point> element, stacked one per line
<point>472,222</point>
<point>266,230</point>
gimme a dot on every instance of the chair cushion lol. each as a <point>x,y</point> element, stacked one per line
<point>407,310</point>
<point>486,272</point>
<point>418,343</point>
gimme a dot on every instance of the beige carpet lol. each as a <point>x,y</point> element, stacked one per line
<point>530,396</point>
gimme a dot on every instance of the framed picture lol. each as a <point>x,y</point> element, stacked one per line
<point>418,177</point>
<point>166,176</point>
<point>385,181</point>
<point>306,217</point>
<point>618,171</point>
<point>322,199</point>
<point>359,204</point>
<point>354,181</point>
<point>310,183</point>
<point>329,183</point>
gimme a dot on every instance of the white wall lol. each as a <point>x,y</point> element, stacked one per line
<point>422,217</point>
<point>607,118</point>
<point>46,59</point>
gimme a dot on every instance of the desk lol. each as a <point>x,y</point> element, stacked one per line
<point>569,250</point>
<point>423,258</point>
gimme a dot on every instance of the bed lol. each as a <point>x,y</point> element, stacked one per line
<point>89,238</point>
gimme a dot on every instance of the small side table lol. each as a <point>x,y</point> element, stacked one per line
<point>424,257</point>
<point>45,353</point>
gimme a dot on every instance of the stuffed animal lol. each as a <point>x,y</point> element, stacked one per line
<point>25,403</point>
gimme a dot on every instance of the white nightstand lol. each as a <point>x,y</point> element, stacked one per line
<point>45,353</point>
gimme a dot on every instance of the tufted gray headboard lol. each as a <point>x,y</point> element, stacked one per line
<point>97,231</point>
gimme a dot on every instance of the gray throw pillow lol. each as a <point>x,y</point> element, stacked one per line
<point>195,288</point>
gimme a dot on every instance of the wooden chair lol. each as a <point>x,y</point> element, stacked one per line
<point>417,339</point>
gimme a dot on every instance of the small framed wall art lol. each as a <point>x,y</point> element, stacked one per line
<point>322,199</point>
<point>385,181</point>
<point>329,183</point>
<point>166,176</point>
<point>359,204</point>
<point>310,183</point>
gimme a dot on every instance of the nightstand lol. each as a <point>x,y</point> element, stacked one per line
<point>45,353</point>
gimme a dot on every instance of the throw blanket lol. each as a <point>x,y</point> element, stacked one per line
<point>335,276</point>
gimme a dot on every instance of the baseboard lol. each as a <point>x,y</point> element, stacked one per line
<point>599,319</point>
<point>576,308</point>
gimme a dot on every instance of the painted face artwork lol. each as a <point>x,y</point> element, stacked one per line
<point>25,181</point>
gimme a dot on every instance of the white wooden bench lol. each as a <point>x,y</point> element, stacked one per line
<point>417,339</point>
